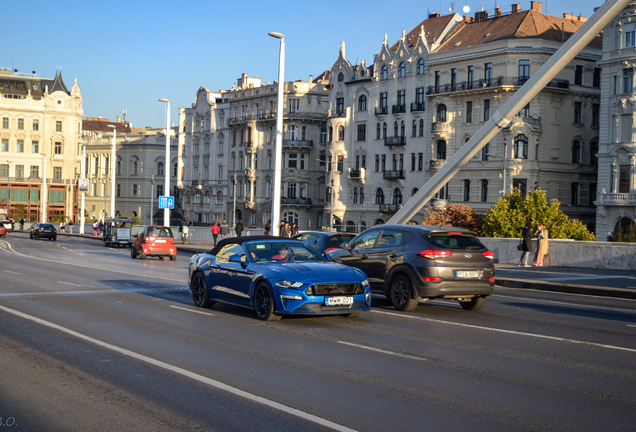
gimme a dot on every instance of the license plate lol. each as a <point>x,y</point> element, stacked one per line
<point>469,274</point>
<point>160,241</point>
<point>47,230</point>
<point>339,301</point>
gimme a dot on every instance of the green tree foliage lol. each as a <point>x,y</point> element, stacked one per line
<point>457,215</point>
<point>627,235</point>
<point>511,213</point>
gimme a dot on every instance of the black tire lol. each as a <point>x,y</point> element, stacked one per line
<point>50,238</point>
<point>54,238</point>
<point>173,257</point>
<point>474,303</point>
<point>200,294</point>
<point>31,236</point>
<point>142,255</point>
<point>133,253</point>
<point>264,304</point>
<point>401,294</point>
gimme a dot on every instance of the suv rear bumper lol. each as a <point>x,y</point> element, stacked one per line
<point>454,289</point>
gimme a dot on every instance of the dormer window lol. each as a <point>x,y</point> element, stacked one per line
<point>420,67</point>
<point>340,77</point>
<point>385,72</point>
<point>402,70</point>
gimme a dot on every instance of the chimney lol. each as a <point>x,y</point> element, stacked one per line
<point>497,12</point>
<point>433,15</point>
<point>535,6</point>
<point>570,16</point>
<point>118,119</point>
<point>516,7</point>
<point>481,15</point>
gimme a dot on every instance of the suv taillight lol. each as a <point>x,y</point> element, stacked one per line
<point>488,254</point>
<point>434,254</point>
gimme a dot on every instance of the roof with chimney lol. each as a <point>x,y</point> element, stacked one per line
<point>101,125</point>
<point>433,28</point>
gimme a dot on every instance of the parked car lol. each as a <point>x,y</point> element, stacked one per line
<point>152,240</point>
<point>7,225</point>
<point>117,232</point>
<point>412,263</point>
<point>3,231</point>
<point>43,230</point>
<point>276,276</point>
<point>324,241</point>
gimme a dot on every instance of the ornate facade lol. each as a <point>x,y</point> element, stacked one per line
<point>41,119</point>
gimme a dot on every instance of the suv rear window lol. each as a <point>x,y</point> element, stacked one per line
<point>454,241</point>
<point>159,232</point>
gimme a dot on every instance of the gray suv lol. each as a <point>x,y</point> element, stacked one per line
<point>413,263</point>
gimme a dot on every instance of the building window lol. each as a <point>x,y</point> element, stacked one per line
<point>340,105</point>
<point>628,80</point>
<point>593,154</point>
<point>383,163</point>
<point>20,146</point>
<point>521,147</point>
<point>486,109</point>
<point>441,150</point>
<point>466,190</point>
<point>420,161</point>
<point>401,98</point>
<point>520,184</point>
<point>421,127</point>
<point>629,38</point>
<point>35,171</point>
<point>340,77</point>
<point>362,132</point>
<point>470,75</point>
<point>379,196</point>
<point>419,98</point>
<point>576,151</point>
<point>485,152</point>
<point>596,78</point>
<point>384,101</point>
<point>135,166</point>
<point>384,128</point>
<point>57,173</point>
<point>21,124</point>
<point>453,79</point>
<point>294,106</point>
<point>341,133</point>
<point>623,178</point>
<point>5,122</point>
<point>292,160</point>
<point>355,195</point>
<point>574,193</point>
<point>596,108</point>
<point>414,129</point>
<point>469,112</point>
<point>291,189</point>
<point>118,191</point>
<point>397,196</point>
<point>592,194</point>
<point>437,81</point>
<point>340,163</point>
<point>160,169</point>
<point>5,145</point>
<point>385,72</point>
<point>441,113</point>
<point>524,71</point>
<point>19,171</point>
<point>377,163</point>
<point>378,131</point>
<point>35,147</point>
<point>484,190</point>
<point>402,70</point>
<point>577,113</point>
<point>35,125</point>
<point>136,190</point>
<point>58,126</point>
<point>58,148</point>
<point>525,111</point>
<point>578,75</point>
<point>420,67</point>
<point>4,170</point>
<point>488,73</point>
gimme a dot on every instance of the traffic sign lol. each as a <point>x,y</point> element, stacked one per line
<point>166,202</point>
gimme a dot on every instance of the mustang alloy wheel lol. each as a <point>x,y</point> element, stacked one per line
<point>264,304</point>
<point>200,294</point>
<point>401,294</point>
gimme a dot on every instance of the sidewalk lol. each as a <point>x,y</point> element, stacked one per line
<point>596,282</point>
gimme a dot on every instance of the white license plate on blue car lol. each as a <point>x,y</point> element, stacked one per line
<point>339,301</point>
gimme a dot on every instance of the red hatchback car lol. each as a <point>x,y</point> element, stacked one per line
<point>3,231</point>
<point>154,240</point>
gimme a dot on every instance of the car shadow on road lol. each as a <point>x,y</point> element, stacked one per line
<point>166,291</point>
<point>611,315</point>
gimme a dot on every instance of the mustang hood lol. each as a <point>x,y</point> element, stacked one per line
<point>317,272</point>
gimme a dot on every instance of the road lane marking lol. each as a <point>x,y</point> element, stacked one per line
<point>381,351</point>
<point>68,283</point>
<point>200,378</point>
<point>534,335</point>
<point>630,325</point>
<point>192,310</point>
<point>9,271</point>
<point>567,304</point>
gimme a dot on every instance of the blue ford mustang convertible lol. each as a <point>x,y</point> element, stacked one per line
<point>276,276</point>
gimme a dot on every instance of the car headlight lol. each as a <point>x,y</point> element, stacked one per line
<point>365,283</point>
<point>288,284</point>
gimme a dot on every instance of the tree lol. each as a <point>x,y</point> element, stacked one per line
<point>511,213</point>
<point>457,215</point>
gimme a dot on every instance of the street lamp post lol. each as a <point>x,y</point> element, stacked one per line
<point>234,209</point>
<point>83,174</point>
<point>112,172</point>
<point>44,190</point>
<point>9,191</point>
<point>166,211</point>
<point>152,203</point>
<point>279,135</point>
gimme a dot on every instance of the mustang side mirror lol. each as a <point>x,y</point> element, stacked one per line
<point>236,258</point>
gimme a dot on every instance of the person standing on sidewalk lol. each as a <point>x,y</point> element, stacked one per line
<point>268,227</point>
<point>215,230</point>
<point>526,244</point>
<point>62,227</point>
<point>542,248</point>
<point>225,229</point>
<point>238,228</point>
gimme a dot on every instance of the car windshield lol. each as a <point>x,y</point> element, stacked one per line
<point>159,232</point>
<point>451,240</point>
<point>281,251</point>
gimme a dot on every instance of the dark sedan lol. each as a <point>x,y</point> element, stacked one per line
<point>413,263</point>
<point>324,241</point>
<point>43,230</point>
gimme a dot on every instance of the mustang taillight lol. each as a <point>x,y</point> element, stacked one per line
<point>434,254</point>
<point>488,254</point>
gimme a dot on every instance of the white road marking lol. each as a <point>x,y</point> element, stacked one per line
<point>584,277</point>
<point>381,351</point>
<point>630,325</point>
<point>534,335</point>
<point>212,383</point>
<point>68,283</point>
<point>9,271</point>
<point>192,310</point>
<point>566,304</point>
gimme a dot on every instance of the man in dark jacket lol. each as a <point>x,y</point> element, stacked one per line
<point>238,228</point>
<point>526,244</point>
<point>225,229</point>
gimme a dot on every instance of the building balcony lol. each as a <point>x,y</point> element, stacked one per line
<point>466,85</point>
<point>356,174</point>
<point>295,201</point>
<point>395,141</point>
<point>398,109</point>
<point>389,208</point>
<point>298,143</point>
<point>417,106</point>
<point>437,127</point>
<point>616,199</point>
<point>381,110</point>
<point>337,114</point>
<point>393,175</point>
<point>435,164</point>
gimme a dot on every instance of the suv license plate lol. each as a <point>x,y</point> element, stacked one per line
<point>339,301</point>
<point>469,274</point>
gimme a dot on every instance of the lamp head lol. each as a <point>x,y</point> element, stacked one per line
<point>112,126</point>
<point>164,100</point>
<point>276,35</point>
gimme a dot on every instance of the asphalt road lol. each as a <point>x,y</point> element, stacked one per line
<point>92,340</point>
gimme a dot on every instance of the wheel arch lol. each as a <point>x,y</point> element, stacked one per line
<point>405,271</point>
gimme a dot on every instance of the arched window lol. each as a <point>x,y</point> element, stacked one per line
<point>420,66</point>
<point>118,166</point>
<point>402,129</point>
<point>377,133</point>
<point>340,77</point>
<point>385,72</point>
<point>521,147</point>
<point>379,196</point>
<point>175,169</point>
<point>362,103</point>
<point>384,131</point>
<point>397,196</point>
<point>441,113</point>
<point>351,227</point>
<point>414,129</point>
<point>341,135</point>
<point>576,151</point>
<point>135,167</point>
<point>441,150</point>
<point>160,169</point>
<point>402,70</point>
<point>422,127</point>
<point>593,152</point>
<point>623,224</point>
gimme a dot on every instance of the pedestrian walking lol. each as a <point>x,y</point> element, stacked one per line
<point>215,230</point>
<point>268,227</point>
<point>70,227</point>
<point>101,227</point>
<point>526,244</point>
<point>284,229</point>
<point>294,229</point>
<point>225,229</point>
<point>21,224</point>
<point>542,247</point>
<point>238,228</point>
<point>62,227</point>
<point>95,228</point>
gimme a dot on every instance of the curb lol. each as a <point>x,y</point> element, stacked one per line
<point>567,288</point>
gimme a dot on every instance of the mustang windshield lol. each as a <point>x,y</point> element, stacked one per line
<point>282,251</point>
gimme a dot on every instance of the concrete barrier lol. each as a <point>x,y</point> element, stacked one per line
<point>569,253</point>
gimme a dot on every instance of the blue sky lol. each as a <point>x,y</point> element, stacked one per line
<point>127,55</point>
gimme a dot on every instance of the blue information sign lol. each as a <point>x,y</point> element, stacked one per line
<point>166,202</point>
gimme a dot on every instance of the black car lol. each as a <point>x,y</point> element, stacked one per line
<point>43,230</point>
<point>413,263</point>
<point>324,241</point>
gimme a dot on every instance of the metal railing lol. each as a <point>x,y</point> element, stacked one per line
<point>389,208</point>
<point>398,109</point>
<point>298,143</point>
<point>417,106</point>
<point>393,175</point>
<point>395,141</point>
<point>381,110</point>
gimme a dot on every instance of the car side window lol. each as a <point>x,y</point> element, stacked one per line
<point>365,240</point>
<point>231,249</point>
<point>390,239</point>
